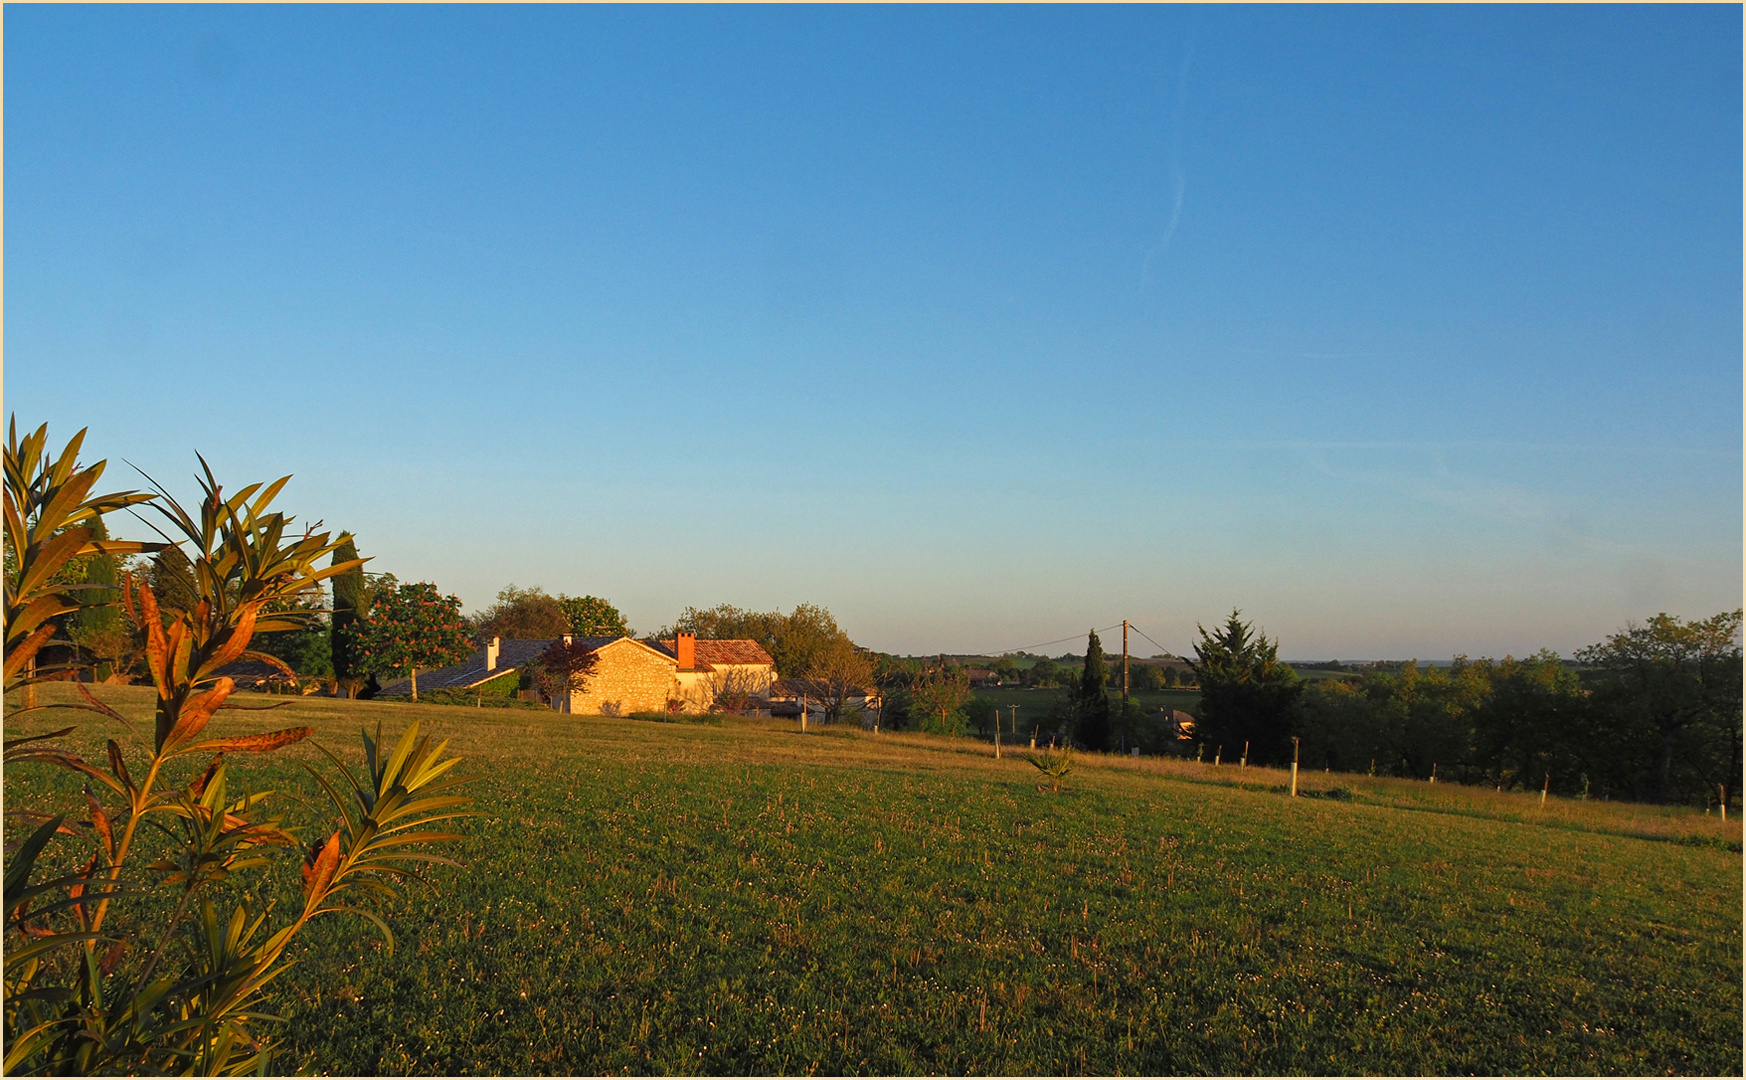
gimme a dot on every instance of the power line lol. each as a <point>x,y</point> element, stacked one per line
<point>1148,637</point>
<point>1057,641</point>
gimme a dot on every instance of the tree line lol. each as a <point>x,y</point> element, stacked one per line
<point>1653,712</point>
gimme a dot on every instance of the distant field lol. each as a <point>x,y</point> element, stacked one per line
<point>742,898</point>
<point>1034,705</point>
<point>1310,674</point>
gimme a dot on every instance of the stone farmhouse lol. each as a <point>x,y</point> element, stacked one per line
<point>680,674</point>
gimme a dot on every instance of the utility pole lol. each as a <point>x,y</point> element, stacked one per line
<point>1124,684</point>
<point>1124,665</point>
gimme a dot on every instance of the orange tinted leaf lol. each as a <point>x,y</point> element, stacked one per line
<point>157,648</point>
<point>112,957</point>
<point>100,822</point>
<point>256,744</point>
<point>197,713</point>
<point>118,766</point>
<point>20,656</point>
<point>318,867</point>
<point>233,646</point>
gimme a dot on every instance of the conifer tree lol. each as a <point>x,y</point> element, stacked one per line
<point>1091,702</point>
<point>351,602</point>
<point>1247,695</point>
<point>97,625</point>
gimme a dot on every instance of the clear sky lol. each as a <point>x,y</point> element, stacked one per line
<point>1407,331</point>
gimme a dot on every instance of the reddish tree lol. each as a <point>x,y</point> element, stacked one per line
<point>412,627</point>
<point>564,667</point>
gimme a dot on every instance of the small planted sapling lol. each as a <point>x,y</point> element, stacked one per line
<point>1053,763</point>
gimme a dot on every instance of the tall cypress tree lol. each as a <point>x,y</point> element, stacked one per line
<point>351,603</point>
<point>98,620</point>
<point>1091,727</point>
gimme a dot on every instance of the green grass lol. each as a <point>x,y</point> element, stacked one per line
<point>655,897</point>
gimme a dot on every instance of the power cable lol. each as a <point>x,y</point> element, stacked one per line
<point>1057,641</point>
<point>1148,637</point>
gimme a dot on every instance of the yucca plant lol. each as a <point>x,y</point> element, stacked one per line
<point>1053,763</point>
<point>98,977</point>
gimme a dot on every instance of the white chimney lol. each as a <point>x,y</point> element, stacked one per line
<point>491,654</point>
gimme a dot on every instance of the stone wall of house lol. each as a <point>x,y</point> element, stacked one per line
<point>697,689</point>
<point>628,678</point>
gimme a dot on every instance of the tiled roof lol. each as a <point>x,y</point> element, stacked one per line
<point>732,652</point>
<point>471,672</point>
<point>712,651</point>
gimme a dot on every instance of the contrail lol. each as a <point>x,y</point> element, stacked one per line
<point>1178,176</point>
<point>1179,184</point>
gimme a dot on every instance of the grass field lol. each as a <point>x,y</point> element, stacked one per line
<point>742,898</point>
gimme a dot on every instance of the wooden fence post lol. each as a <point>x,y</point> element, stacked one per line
<point>1294,749</point>
<point>1545,789</point>
<point>1244,763</point>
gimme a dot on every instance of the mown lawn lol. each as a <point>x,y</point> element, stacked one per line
<point>742,898</point>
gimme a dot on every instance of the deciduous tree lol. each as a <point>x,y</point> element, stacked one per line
<point>522,614</point>
<point>797,641</point>
<point>411,628</point>
<point>590,616</point>
<point>840,672</point>
<point>937,700</point>
<point>1680,683</point>
<point>563,668</point>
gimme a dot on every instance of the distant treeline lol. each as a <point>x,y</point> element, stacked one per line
<point>1651,713</point>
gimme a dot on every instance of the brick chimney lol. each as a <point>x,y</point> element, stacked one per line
<point>686,647</point>
<point>491,654</point>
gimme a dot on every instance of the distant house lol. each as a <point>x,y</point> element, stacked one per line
<point>680,674</point>
<point>257,675</point>
<point>676,675</point>
<point>1183,722</point>
<point>498,660</point>
<point>787,695</point>
<point>712,668</point>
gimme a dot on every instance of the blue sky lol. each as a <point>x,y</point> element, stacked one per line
<point>1407,331</point>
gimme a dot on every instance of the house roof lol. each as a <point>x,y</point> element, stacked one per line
<point>472,671</point>
<point>713,651</point>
